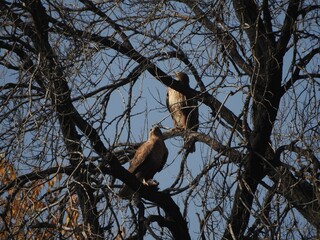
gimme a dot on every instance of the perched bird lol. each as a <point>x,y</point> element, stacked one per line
<point>149,159</point>
<point>184,110</point>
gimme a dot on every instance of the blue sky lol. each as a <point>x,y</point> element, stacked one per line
<point>148,96</point>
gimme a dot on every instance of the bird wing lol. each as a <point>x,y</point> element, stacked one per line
<point>167,100</point>
<point>141,155</point>
<point>165,154</point>
<point>192,114</point>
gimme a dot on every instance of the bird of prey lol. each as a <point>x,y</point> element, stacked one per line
<point>149,159</point>
<point>184,110</point>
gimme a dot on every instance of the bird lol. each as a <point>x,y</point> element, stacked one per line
<point>183,109</point>
<point>149,159</point>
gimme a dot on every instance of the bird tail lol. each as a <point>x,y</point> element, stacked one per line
<point>125,192</point>
<point>193,146</point>
<point>190,145</point>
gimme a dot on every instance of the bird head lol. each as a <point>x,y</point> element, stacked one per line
<point>183,77</point>
<point>155,131</point>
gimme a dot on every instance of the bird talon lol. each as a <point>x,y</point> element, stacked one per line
<point>150,182</point>
<point>144,182</point>
<point>153,183</point>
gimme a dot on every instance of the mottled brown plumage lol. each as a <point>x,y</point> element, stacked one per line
<point>183,109</point>
<point>149,159</point>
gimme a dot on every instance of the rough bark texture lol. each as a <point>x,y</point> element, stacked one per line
<point>266,94</point>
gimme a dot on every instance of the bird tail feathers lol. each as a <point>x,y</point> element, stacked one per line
<point>190,145</point>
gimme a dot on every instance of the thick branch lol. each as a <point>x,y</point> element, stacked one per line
<point>249,17</point>
<point>61,101</point>
<point>288,26</point>
<point>298,193</point>
<point>233,155</point>
<point>175,222</point>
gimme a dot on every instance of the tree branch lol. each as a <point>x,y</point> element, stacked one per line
<point>301,65</point>
<point>298,193</point>
<point>288,26</point>
<point>227,40</point>
<point>204,97</point>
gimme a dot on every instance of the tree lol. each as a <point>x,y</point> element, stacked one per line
<point>83,81</point>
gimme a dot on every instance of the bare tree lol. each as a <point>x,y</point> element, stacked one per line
<point>83,81</point>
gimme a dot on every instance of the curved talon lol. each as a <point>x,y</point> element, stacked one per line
<point>150,182</point>
<point>144,182</point>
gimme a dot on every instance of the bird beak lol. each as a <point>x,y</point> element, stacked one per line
<point>174,75</point>
<point>157,125</point>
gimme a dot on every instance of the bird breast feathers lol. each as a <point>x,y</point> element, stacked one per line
<point>151,150</point>
<point>176,99</point>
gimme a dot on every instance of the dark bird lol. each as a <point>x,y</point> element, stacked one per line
<point>149,159</point>
<point>184,110</point>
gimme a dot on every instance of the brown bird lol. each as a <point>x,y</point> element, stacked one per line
<point>184,110</point>
<point>149,159</point>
